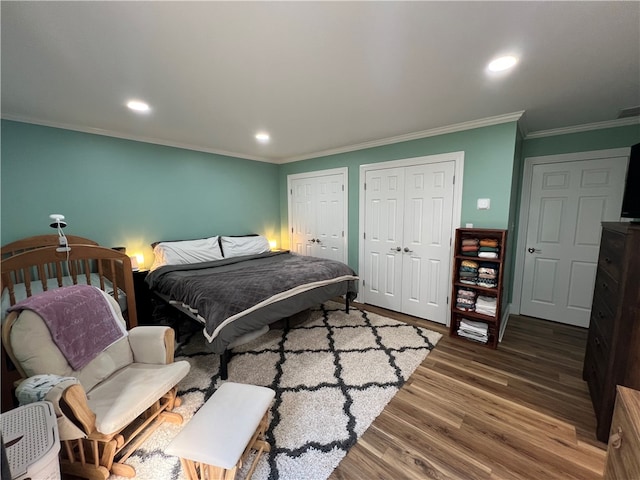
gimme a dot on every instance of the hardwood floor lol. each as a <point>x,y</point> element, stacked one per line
<point>468,412</point>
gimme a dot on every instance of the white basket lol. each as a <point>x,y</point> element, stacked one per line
<point>30,435</point>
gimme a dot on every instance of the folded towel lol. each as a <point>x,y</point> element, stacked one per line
<point>470,241</point>
<point>490,276</point>
<point>488,242</point>
<point>469,263</point>
<point>487,271</point>
<point>65,311</point>
<point>473,336</point>
<point>465,308</point>
<point>465,293</point>
<point>470,325</point>
<point>35,389</point>
<point>468,269</point>
<point>468,274</point>
<point>486,305</point>
<point>465,301</point>
<point>487,254</point>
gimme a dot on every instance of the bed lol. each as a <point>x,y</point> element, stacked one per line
<point>33,264</point>
<point>236,286</point>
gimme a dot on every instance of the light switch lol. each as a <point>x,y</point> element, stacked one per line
<point>484,203</point>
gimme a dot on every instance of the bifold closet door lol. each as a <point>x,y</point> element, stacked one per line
<point>318,216</point>
<point>408,215</point>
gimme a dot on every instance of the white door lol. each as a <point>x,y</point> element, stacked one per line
<point>330,218</point>
<point>302,217</point>
<point>317,214</point>
<point>428,216</point>
<point>568,202</point>
<point>408,224</point>
<point>384,213</point>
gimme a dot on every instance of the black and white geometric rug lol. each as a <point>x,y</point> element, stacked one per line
<point>333,374</point>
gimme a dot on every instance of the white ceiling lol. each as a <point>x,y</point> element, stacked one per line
<point>318,76</point>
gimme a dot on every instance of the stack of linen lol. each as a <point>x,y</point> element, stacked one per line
<point>486,305</point>
<point>489,248</point>
<point>466,300</point>
<point>487,275</point>
<point>468,272</point>
<point>477,331</point>
<point>470,247</point>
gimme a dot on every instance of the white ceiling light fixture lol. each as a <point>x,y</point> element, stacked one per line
<point>138,106</point>
<point>501,64</point>
<point>262,137</point>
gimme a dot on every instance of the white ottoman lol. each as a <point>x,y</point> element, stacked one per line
<point>221,434</point>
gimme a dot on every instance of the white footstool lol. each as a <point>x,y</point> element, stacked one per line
<point>221,434</point>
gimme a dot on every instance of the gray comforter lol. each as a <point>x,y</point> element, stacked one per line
<point>256,289</point>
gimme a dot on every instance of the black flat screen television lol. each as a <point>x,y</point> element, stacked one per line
<point>631,198</point>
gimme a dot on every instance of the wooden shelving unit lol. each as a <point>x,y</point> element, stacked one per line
<point>495,292</point>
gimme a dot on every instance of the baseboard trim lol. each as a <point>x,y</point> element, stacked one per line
<point>503,321</point>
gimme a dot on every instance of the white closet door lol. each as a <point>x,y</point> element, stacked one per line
<point>428,216</point>
<point>318,214</point>
<point>303,218</point>
<point>329,229</point>
<point>384,212</point>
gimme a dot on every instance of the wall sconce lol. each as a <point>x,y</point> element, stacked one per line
<point>58,223</point>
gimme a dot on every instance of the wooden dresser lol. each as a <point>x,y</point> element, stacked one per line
<point>613,346</point>
<point>623,452</point>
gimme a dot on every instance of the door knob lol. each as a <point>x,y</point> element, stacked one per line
<point>313,240</point>
<point>318,240</point>
<point>406,249</point>
<point>396,249</point>
<point>533,250</point>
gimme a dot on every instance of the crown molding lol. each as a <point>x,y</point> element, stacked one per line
<point>621,122</point>
<point>458,127</point>
<point>137,138</point>
<point>518,117</point>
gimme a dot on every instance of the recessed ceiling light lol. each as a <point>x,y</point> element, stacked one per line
<point>138,106</point>
<point>262,137</point>
<point>502,63</point>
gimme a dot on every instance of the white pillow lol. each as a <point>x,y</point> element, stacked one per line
<point>186,252</point>
<point>238,246</point>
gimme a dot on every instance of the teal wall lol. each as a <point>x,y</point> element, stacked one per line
<point>615,137</point>
<point>122,192</point>
<point>488,173</point>
<point>126,193</point>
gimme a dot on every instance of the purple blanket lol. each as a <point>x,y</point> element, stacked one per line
<point>81,321</point>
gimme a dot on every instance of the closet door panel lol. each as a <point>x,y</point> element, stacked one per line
<point>426,233</point>
<point>330,218</point>
<point>382,243</point>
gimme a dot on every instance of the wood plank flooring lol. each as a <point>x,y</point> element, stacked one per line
<point>468,412</point>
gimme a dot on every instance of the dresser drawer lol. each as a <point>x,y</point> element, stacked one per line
<point>590,375</point>
<point>603,316</point>
<point>607,288</point>
<point>597,353</point>
<point>611,253</point>
<point>623,458</point>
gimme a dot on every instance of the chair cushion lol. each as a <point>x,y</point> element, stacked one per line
<point>37,353</point>
<point>130,391</point>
